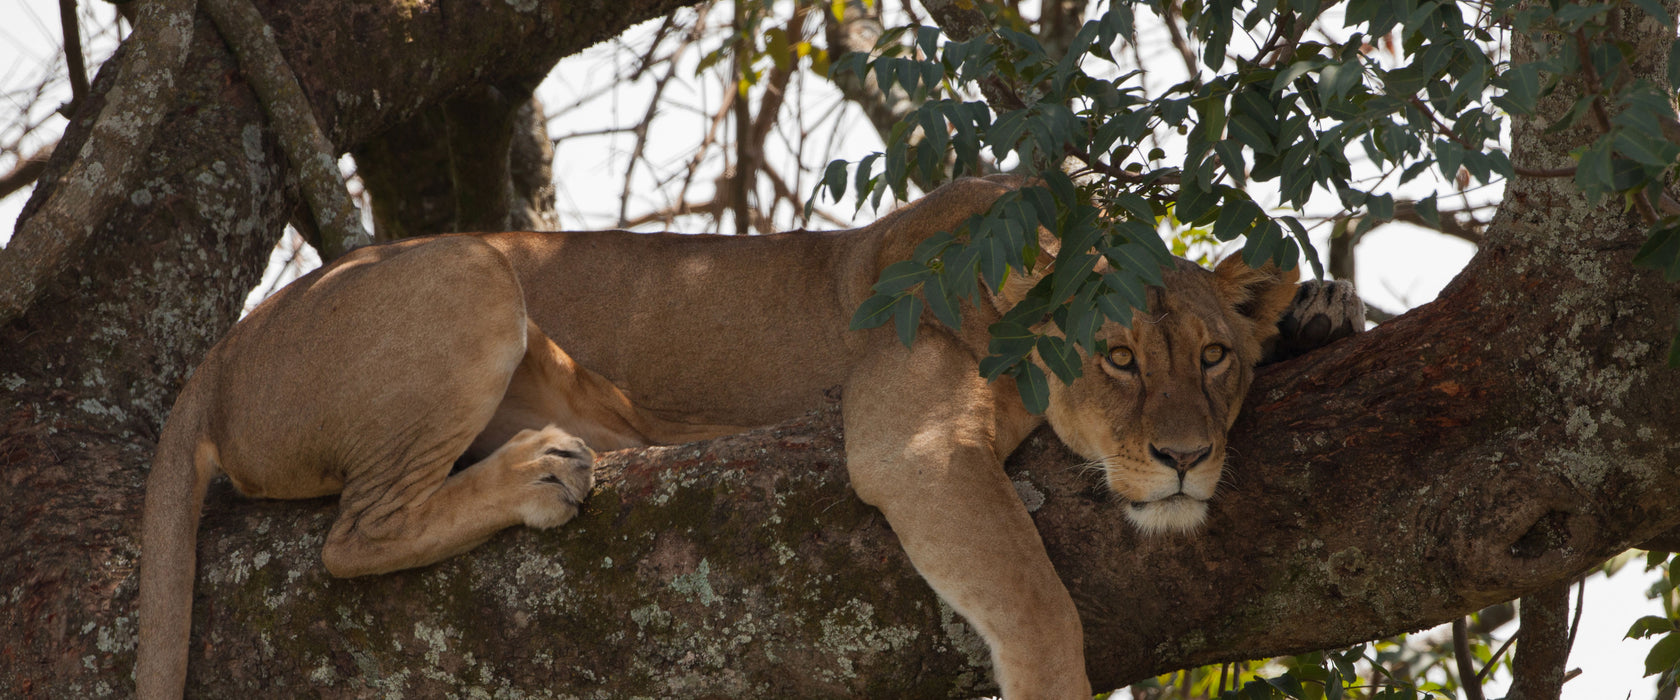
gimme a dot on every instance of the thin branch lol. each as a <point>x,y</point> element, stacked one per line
<point>25,171</point>
<point>312,156</point>
<point>73,55</point>
<point>1176,34</point>
<point>1466,667</point>
<point>1492,660</point>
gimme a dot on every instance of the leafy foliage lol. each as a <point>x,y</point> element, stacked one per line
<point>1282,119</point>
<point>1663,660</point>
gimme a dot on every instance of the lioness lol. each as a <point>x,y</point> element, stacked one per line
<point>526,352</point>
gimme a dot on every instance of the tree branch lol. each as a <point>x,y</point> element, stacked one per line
<point>116,146</point>
<point>25,170</point>
<point>1538,670</point>
<point>73,61</point>
<point>314,159</point>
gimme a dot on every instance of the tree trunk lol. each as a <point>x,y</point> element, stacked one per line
<point>1497,442</point>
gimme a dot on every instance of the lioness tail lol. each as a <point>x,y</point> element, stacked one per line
<point>186,459</point>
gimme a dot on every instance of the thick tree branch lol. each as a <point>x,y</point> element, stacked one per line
<point>1489,445</point>
<point>1538,670</point>
<point>105,169</point>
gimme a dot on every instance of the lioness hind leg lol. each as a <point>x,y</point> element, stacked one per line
<point>537,478</point>
<point>549,388</point>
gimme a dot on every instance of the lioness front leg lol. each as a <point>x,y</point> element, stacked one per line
<point>1322,312</point>
<point>919,428</point>
<point>537,479</point>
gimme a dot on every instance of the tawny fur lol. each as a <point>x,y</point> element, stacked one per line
<point>372,376</point>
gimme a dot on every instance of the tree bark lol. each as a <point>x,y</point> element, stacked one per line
<point>1494,443</point>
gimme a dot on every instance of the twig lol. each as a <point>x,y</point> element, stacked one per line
<point>1461,655</point>
<point>1177,36</point>
<point>26,170</point>
<point>107,161</point>
<point>1496,654</point>
<point>312,156</point>
<point>73,55</point>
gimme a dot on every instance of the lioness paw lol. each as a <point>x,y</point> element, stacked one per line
<point>555,469</point>
<point>1323,312</point>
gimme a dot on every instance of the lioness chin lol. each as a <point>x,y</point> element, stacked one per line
<point>527,352</point>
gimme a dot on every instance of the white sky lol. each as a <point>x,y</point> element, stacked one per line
<point>1400,267</point>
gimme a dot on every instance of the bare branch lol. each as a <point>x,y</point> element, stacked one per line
<point>25,171</point>
<point>1466,666</point>
<point>73,60</point>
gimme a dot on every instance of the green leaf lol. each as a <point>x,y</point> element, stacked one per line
<point>861,180</point>
<point>1663,655</point>
<point>994,262</point>
<point>901,276</point>
<point>1263,245</point>
<point>927,39</point>
<point>1115,308</point>
<point>1299,236</point>
<point>1662,251</point>
<point>1083,317</point>
<point>1288,685</point>
<point>1523,87</point>
<point>940,300</point>
<point>1060,356</point>
<point>1230,156</point>
<point>1006,132</point>
<point>1136,206</point>
<point>1070,274</point>
<point>1593,174</point>
<point>1130,289</point>
<point>1427,210</point>
<point>1034,388</point>
<point>1193,203</point>
<point>907,316</point>
<point>994,366</point>
<point>933,247</point>
<point>1647,148</point>
<point>1235,219</point>
<point>1136,259</point>
<point>835,179</point>
<point>874,311</point>
<point>1009,339</point>
<point>1648,626</point>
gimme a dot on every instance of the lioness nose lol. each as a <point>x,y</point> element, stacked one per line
<point>1180,460</point>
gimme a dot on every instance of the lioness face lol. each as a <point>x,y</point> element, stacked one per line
<point>1154,410</point>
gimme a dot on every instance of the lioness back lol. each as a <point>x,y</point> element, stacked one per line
<point>696,328</point>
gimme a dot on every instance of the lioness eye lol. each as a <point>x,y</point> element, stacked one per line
<point>1212,355</point>
<point>1121,357</point>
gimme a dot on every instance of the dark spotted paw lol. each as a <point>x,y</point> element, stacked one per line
<point>1322,313</point>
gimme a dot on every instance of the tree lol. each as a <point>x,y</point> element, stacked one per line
<point>1493,444</point>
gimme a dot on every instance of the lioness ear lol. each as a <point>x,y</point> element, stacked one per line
<point>1262,295</point>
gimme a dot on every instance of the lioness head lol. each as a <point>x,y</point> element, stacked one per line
<point>1153,411</point>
